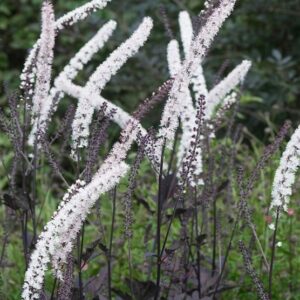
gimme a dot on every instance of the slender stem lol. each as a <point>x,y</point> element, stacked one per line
<point>260,247</point>
<point>23,238</point>
<point>80,237</point>
<point>181,189</point>
<point>53,288</point>
<point>213,266</point>
<point>291,250</point>
<point>4,243</point>
<point>172,154</point>
<point>158,225</point>
<point>26,237</point>
<point>24,221</point>
<point>273,253</point>
<point>110,243</point>
<point>35,160</point>
<point>226,256</point>
<point>130,269</point>
<point>80,240</point>
<point>197,245</point>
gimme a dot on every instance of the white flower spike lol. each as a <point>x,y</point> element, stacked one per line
<point>102,76</point>
<point>286,173</point>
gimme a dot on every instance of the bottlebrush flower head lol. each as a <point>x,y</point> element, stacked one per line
<point>173,58</point>
<point>219,92</point>
<point>80,13</point>
<point>187,111</point>
<point>86,53</point>
<point>187,35</point>
<point>186,31</point>
<point>69,72</point>
<point>226,104</point>
<point>102,76</point>
<point>120,116</point>
<point>57,239</point>
<point>28,75</point>
<point>76,15</point>
<point>44,59</point>
<point>286,173</point>
<point>198,49</point>
<point>118,58</point>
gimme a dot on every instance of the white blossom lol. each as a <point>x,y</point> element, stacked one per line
<point>70,18</point>
<point>208,31</point>
<point>101,77</point>
<point>96,101</point>
<point>27,76</point>
<point>271,226</point>
<point>217,94</point>
<point>199,46</point>
<point>186,110</point>
<point>86,53</point>
<point>173,58</point>
<point>199,83</point>
<point>226,104</point>
<point>286,172</point>
<point>186,31</point>
<point>118,58</point>
<point>70,71</point>
<point>44,59</point>
<point>57,239</point>
<point>81,123</point>
<point>80,13</point>
<point>174,64</point>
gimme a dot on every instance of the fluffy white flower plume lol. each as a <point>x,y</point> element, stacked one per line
<point>44,59</point>
<point>199,46</point>
<point>57,239</point>
<point>86,53</point>
<point>102,76</point>
<point>208,31</point>
<point>29,71</point>
<point>118,58</point>
<point>174,64</point>
<point>286,172</point>
<point>78,207</point>
<point>81,123</point>
<point>186,31</point>
<point>187,111</point>
<point>70,71</point>
<point>234,78</point>
<point>187,34</point>
<point>80,13</point>
<point>199,83</point>
<point>96,101</point>
<point>173,58</point>
<point>226,104</point>
<point>28,74</point>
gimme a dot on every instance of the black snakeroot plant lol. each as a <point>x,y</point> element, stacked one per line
<point>194,228</point>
